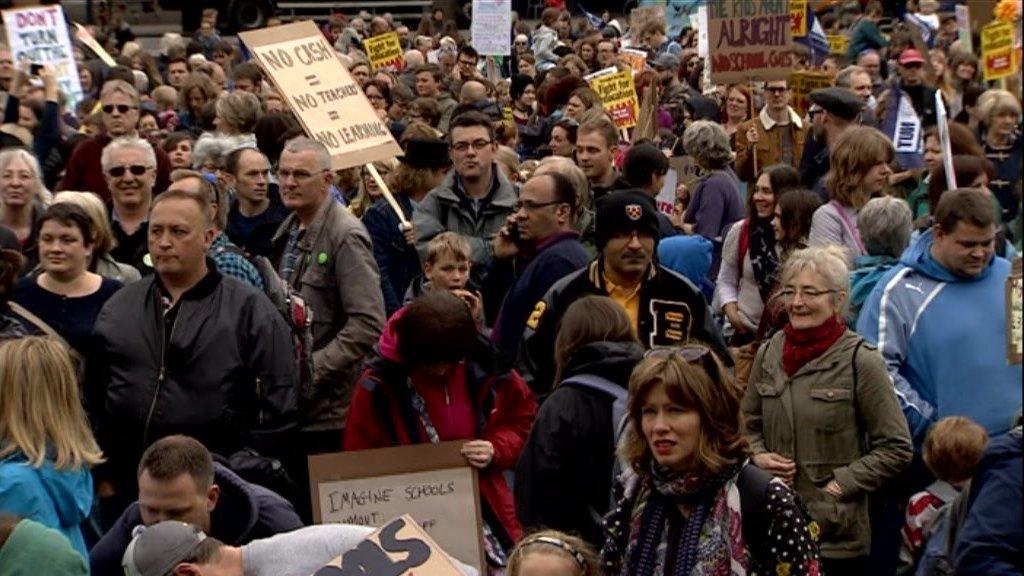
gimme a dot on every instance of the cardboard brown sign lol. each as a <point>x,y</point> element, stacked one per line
<point>398,548</point>
<point>749,40</point>
<point>432,482</point>
<point>324,97</point>
<point>1014,302</point>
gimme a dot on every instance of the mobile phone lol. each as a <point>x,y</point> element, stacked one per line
<point>34,69</point>
<point>513,231</point>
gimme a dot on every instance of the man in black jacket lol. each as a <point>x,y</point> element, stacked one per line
<point>665,308</point>
<point>178,480</point>
<point>187,351</point>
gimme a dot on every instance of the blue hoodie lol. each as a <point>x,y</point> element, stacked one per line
<point>943,339</point>
<point>58,499</point>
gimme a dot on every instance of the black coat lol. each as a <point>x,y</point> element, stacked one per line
<point>225,376</point>
<point>564,476</point>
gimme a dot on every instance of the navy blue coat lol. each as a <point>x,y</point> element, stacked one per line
<point>397,261</point>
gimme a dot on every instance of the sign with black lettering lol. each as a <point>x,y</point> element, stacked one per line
<point>324,97</point>
<point>1014,304</point>
<point>749,40</point>
<point>398,548</point>
<point>39,35</point>
<point>432,482</point>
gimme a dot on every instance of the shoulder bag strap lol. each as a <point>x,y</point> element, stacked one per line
<point>848,225</point>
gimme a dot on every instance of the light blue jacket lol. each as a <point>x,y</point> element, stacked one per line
<point>58,499</point>
<point>943,339</point>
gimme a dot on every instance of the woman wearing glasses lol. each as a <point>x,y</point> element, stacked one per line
<point>694,504</point>
<point>850,436</point>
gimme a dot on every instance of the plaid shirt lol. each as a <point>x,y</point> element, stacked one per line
<point>231,262</point>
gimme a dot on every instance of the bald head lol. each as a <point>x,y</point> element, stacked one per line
<point>472,92</point>
<point>413,59</point>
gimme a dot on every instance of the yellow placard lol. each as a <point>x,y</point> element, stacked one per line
<point>618,94</point>
<point>997,59</point>
<point>384,51</point>
<point>318,88</point>
<point>798,12</point>
<point>838,43</point>
<point>802,84</point>
<point>635,59</point>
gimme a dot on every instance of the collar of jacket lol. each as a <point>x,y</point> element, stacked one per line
<point>502,193</point>
<point>595,272</point>
<point>314,228</point>
<point>769,123</point>
<point>202,289</point>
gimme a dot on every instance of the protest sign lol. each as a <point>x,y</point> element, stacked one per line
<point>1014,295</point>
<point>39,35</point>
<point>798,13</point>
<point>640,17</point>
<point>682,170</point>
<point>666,198</point>
<point>963,27</point>
<point>492,19</point>
<point>802,84</point>
<point>398,548</point>
<point>635,59</point>
<point>942,120</point>
<point>432,482</point>
<point>325,98</point>
<point>84,37</point>
<point>749,40</point>
<point>618,94</point>
<point>997,51</point>
<point>679,15</point>
<point>703,42</point>
<point>838,44</point>
<point>384,51</point>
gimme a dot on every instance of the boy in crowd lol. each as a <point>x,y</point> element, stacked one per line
<point>447,267</point>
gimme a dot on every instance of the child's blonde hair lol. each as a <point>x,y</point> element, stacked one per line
<point>953,448</point>
<point>448,244</point>
<point>166,97</point>
<point>573,548</point>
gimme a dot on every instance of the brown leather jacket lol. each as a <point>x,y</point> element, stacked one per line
<point>769,144</point>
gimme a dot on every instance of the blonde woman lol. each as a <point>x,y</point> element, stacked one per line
<point>46,446</point>
<point>860,170</point>
<point>103,237</point>
<point>369,192</point>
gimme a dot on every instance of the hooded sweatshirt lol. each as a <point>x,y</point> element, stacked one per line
<point>944,341</point>
<point>29,542</point>
<point>58,499</point>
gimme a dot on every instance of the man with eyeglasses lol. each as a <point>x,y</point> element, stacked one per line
<point>119,102</point>
<point>911,86</point>
<point>129,166</point>
<point>324,253</point>
<point>776,135</point>
<point>475,198</point>
<point>665,308</point>
<point>538,246</point>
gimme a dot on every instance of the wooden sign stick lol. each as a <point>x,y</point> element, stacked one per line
<point>403,223</point>
<point>753,118</point>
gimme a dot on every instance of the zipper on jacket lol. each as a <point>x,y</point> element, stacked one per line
<point>161,375</point>
<point>447,399</point>
<point>259,400</point>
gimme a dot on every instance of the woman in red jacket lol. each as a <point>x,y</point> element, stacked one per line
<point>435,378</point>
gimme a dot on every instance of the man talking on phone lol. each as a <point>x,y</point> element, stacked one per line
<point>540,245</point>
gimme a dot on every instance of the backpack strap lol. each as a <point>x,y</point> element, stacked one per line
<point>45,328</point>
<point>744,246</point>
<point>864,443</point>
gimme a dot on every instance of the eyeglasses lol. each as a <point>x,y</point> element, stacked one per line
<point>135,169</point>
<point>690,352</point>
<point>776,89</point>
<point>530,205</point>
<point>466,63</point>
<point>121,108</point>
<point>375,97</point>
<point>298,175</point>
<point>692,64</point>
<point>814,112</point>
<point>477,145</point>
<point>805,293</point>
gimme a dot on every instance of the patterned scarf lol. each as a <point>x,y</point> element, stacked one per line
<point>763,256</point>
<point>708,543</point>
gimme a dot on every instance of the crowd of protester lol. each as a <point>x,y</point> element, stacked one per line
<point>793,363</point>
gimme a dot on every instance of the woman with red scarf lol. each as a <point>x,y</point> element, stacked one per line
<point>821,412</point>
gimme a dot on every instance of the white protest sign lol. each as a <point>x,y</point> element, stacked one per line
<point>907,138</point>
<point>433,482</point>
<point>492,20</point>
<point>39,35</point>
<point>325,98</point>
<point>666,198</point>
<point>703,43</point>
<point>944,141</point>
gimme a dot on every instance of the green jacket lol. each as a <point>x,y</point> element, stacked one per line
<point>832,429</point>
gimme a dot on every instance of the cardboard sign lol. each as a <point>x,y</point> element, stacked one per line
<point>802,84</point>
<point>703,41</point>
<point>963,27</point>
<point>84,37</point>
<point>492,19</point>
<point>997,51</point>
<point>433,482</point>
<point>798,13</point>
<point>618,94</point>
<point>750,40</point>
<point>399,548</point>
<point>679,15</point>
<point>838,44</point>
<point>640,17</point>
<point>39,35</point>
<point>1014,295</point>
<point>635,59</point>
<point>325,98</point>
<point>384,51</point>
<point>687,170</point>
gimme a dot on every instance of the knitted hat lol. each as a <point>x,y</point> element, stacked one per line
<point>625,211</point>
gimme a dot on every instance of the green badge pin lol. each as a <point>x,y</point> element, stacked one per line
<point>148,260</point>
<point>321,258</point>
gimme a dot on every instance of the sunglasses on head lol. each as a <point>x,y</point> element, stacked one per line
<point>121,108</point>
<point>135,169</point>
<point>690,352</point>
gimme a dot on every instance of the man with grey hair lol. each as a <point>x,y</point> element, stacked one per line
<point>858,80</point>
<point>119,102</point>
<point>325,254</point>
<point>229,259</point>
<point>884,225</point>
<point>378,26</point>
<point>129,166</point>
